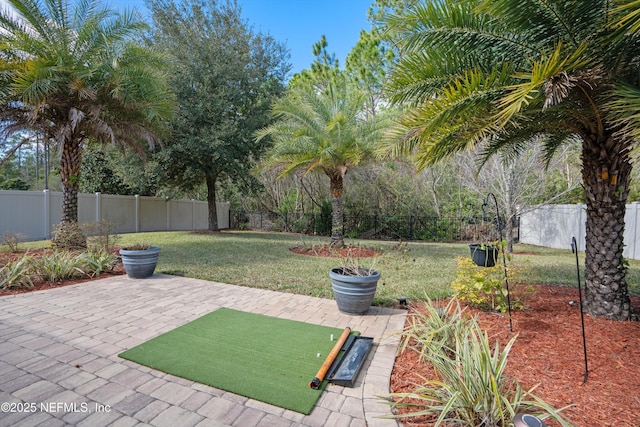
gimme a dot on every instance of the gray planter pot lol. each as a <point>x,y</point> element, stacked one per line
<point>354,293</point>
<point>140,264</point>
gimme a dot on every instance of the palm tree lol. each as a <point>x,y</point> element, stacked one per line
<point>323,131</point>
<point>494,73</point>
<point>75,74</point>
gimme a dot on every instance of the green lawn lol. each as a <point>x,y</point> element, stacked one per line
<point>413,270</point>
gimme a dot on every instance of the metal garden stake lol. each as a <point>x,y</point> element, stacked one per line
<point>500,226</point>
<point>574,249</point>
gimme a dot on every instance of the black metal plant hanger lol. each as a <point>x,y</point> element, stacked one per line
<point>500,225</point>
<point>574,249</point>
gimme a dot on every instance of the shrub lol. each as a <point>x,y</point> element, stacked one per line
<point>93,263</point>
<point>470,388</point>
<point>434,326</point>
<point>58,265</point>
<point>69,235</point>
<point>16,274</point>
<point>12,240</point>
<point>484,287</point>
<point>100,235</point>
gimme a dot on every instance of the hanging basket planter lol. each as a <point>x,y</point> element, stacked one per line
<point>484,255</point>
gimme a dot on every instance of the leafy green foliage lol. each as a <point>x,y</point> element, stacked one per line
<point>433,326</point>
<point>58,265</point>
<point>16,274</point>
<point>71,72</point>
<point>225,77</point>
<point>96,262</point>
<point>484,287</point>
<point>471,387</point>
<point>502,75</point>
<point>68,235</point>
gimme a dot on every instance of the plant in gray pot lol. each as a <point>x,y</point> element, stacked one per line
<point>354,287</point>
<point>140,260</point>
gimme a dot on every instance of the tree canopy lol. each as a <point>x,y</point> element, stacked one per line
<point>75,73</point>
<point>225,76</point>
<point>494,74</point>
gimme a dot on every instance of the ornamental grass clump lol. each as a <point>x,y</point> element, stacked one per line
<point>16,274</point>
<point>470,387</point>
<point>95,262</point>
<point>58,265</point>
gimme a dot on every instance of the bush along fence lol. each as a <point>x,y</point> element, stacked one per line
<point>376,227</point>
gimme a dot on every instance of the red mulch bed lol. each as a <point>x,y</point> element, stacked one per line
<point>549,351</point>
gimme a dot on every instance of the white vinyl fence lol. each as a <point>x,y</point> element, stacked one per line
<point>553,226</point>
<point>33,214</point>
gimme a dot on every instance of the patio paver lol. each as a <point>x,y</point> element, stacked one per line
<point>59,361</point>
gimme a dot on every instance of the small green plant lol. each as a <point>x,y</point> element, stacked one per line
<point>433,325</point>
<point>16,274</point>
<point>94,263</point>
<point>470,388</point>
<point>12,240</point>
<point>58,265</point>
<point>484,287</point>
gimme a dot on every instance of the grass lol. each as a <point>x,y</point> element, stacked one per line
<point>411,270</point>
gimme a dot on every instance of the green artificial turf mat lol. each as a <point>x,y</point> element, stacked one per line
<point>264,358</point>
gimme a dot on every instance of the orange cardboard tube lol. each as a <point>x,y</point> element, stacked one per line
<point>317,380</point>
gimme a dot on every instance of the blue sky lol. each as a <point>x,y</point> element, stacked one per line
<point>297,23</point>
<point>300,23</point>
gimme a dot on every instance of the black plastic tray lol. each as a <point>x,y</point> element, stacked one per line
<point>344,370</point>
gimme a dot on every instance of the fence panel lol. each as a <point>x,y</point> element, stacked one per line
<point>33,214</point>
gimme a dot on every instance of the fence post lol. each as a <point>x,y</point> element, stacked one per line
<point>137,211</point>
<point>98,206</point>
<point>193,214</point>
<point>47,214</point>
<point>167,213</point>
<point>411,227</point>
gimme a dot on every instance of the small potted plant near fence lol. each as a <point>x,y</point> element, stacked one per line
<point>353,286</point>
<point>140,260</point>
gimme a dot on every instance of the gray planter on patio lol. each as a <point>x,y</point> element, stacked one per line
<point>354,290</point>
<point>140,263</point>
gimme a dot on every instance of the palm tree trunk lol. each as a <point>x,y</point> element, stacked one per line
<point>70,161</point>
<point>606,177</point>
<point>336,180</point>
<point>211,202</point>
<point>68,234</point>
